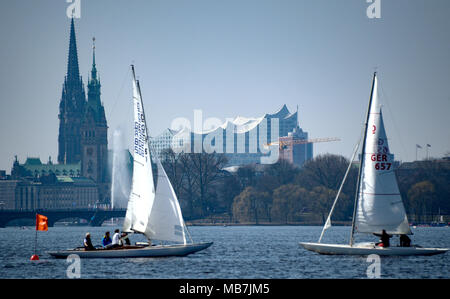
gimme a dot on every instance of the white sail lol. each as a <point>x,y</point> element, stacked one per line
<point>142,193</point>
<point>165,221</point>
<point>379,203</point>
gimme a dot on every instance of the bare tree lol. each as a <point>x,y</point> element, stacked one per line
<point>207,168</point>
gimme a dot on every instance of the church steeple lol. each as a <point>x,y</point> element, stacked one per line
<point>94,87</point>
<point>94,131</point>
<point>73,83</point>
<point>71,107</point>
<point>94,69</point>
<point>73,72</point>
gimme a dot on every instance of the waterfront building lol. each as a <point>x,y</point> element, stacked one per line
<point>243,140</point>
<point>49,192</point>
<point>81,177</point>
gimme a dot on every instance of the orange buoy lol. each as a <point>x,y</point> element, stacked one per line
<point>34,257</point>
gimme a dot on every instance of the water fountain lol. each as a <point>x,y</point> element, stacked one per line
<point>121,172</point>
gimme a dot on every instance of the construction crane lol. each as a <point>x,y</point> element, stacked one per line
<point>284,143</point>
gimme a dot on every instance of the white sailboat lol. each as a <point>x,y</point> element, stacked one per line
<point>153,212</point>
<point>378,204</point>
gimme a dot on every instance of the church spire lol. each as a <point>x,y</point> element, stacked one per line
<point>73,72</point>
<point>94,106</point>
<point>94,83</point>
<point>94,69</point>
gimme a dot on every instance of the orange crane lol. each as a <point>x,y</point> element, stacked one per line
<point>284,143</point>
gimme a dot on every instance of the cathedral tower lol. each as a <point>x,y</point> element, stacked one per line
<point>71,108</point>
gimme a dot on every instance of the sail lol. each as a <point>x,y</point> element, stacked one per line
<point>379,203</point>
<point>142,193</point>
<point>165,221</point>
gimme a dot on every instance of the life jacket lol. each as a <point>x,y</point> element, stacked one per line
<point>106,240</point>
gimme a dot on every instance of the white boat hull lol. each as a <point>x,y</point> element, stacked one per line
<point>135,251</point>
<point>370,248</point>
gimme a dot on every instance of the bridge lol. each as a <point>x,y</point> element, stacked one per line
<point>94,217</point>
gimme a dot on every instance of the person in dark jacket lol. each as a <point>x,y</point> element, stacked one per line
<point>124,237</point>
<point>384,239</point>
<point>405,241</point>
<point>88,243</point>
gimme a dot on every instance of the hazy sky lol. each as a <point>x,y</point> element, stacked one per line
<point>230,58</point>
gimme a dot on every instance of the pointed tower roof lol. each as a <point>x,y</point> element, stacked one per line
<point>94,68</point>
<point>94,83</point>
<point>94,109</point>
<point>73,72</point>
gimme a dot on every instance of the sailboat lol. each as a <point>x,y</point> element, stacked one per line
<point>153,212</point>
<point>378,204</point>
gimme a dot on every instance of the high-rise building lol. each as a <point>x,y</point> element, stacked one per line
<point>296,153</point>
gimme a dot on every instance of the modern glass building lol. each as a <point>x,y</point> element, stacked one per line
<point>243,140</point>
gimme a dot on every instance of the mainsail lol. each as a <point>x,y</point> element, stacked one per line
<point>142,193</point>
<point>379,204</point>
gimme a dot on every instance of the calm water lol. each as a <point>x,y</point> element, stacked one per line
<point>237,252</point>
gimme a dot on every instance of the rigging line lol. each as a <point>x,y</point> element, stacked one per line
<point>120,92</point>
<point>391,115</point>
<point>188,232</point>
<point>328,221</point>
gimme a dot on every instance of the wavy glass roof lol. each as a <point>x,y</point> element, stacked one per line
<point>242,124</point>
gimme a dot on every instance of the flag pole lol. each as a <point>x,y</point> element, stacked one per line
<point>35,257</point>
<point>35,236</point>
<point>41,224</point>
<point>35,241</point>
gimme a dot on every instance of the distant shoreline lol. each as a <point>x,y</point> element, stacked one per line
<point>194,223</point>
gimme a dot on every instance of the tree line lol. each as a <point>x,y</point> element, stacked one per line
<point>282,193</point>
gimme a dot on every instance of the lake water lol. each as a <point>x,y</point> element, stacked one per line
<point>238,252</point>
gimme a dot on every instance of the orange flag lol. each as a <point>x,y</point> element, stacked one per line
<point>41,222</point>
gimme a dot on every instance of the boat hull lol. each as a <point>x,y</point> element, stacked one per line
<point>367,249</point>
<point>135,251</point>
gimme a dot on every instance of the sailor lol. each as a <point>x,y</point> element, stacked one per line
<point>405,241</point>
<point>88,243</point>
<point>384,239</point>
<point>106,239</point>
<point>116,242</point>
<point>124,236</point>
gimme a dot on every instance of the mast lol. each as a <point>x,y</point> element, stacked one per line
<point>363,152</point>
